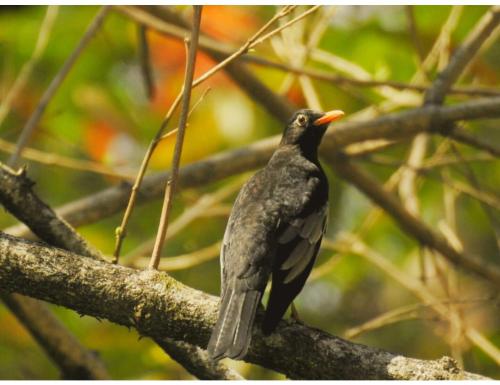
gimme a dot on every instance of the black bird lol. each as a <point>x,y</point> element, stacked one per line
<point>276,226</point>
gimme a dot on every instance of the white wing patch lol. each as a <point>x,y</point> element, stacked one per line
<point>225,244</point>
<point>310,230</point>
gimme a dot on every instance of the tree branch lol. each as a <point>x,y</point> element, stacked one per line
<point>176,160</point>
<point>18,197</point>
<point>158,306</point>
<point>170,23</point>
<point>158,18</point>
<point>219,166</point>
<point>31,124</point>
<point>462,136</point>
<point>410,223</point>
<point>72,358</point>
<point>463,56</point>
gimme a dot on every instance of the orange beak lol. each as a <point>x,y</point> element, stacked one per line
<point>329,117</point>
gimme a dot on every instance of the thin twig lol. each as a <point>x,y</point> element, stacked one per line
<point>463,55</point>
<point>415,37</point>
<point>411,224</point>
<point>340,79</point>
<point>169,23</point>
<point>184,261</point>
<point>399,314</point>
<point>368,222</point>
<point>439,44</point>
<point>155,21</point>
<point>492,200</point>
<point>109,201</point>
<point>56,82</point>
<point>194,211</point>
<point>186,97</point>
<point>145,61</point>
<point>462,136</point>
<point>483,197</point>
<point>418,149</point>
<point>435,95</point>
<point>27,69</point>
<point>121,230</point>
<point>52,159</point>
<point>349,243</point>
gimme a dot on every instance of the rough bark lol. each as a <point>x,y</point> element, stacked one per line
<point>159,306</point>
<point>18,197</point>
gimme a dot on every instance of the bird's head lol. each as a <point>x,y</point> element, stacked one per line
<point>307,127</point>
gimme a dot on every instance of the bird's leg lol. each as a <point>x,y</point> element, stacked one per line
<point>295,313</point>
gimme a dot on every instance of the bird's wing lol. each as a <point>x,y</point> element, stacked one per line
<point>300,237</point>
<point>298,245</point>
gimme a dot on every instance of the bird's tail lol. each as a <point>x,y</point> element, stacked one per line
<point>233,331</point>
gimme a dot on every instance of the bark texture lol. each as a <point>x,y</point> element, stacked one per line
<point>159,306</point>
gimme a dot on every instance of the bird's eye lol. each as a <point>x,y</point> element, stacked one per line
<point>301,120</point>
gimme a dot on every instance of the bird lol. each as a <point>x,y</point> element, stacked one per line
<point>274,230</point>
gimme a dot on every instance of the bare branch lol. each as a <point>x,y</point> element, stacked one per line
<point>145,61</point>
<point>413,30</point>
<point>31,124</point>
<point>158,306</point>
<point>18,197</point>
<point>462,136</point>
<point>172,182</point>
<point>251,42</point>
<point>196,360</point>
<point>52,159</point>
<point>411,224</point>
<point>74,360</point>
<point>350,243</point>
<point>27,69</point>
<point>463,56</point>
<point>393,126</point>
<point>169,23</point>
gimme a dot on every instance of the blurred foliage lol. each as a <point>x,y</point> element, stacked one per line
<point>101,113</point>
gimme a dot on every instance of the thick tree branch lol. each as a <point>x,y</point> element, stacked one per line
<point>158,306</point>
<point>17,196</point>
<point>392,126</point>
<point>73,359</point>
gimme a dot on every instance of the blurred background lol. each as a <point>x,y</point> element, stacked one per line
<point>98,125</point>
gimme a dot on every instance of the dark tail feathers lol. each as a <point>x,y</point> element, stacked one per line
<point>233,331</point>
